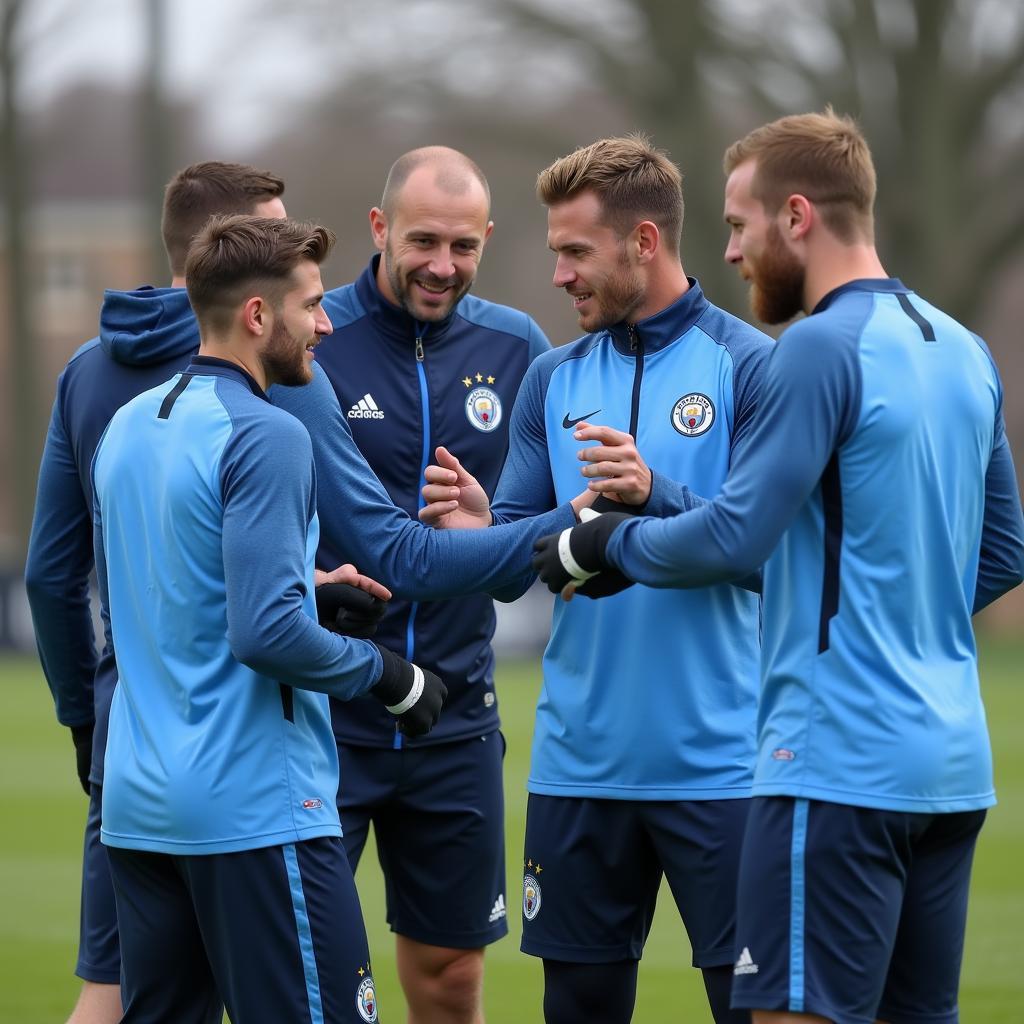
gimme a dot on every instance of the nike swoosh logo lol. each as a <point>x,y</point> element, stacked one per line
<point>569,424</point>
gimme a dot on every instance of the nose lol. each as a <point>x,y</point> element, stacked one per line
<point>564,273</point>
<point>323,323</point>
<point>441,264</point>
<point>732,249</point>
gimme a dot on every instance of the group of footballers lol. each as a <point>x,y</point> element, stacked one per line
<point>761,683</point>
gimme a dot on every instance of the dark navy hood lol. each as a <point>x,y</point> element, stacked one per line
<point>147,325</point>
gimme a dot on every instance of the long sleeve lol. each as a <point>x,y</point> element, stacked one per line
<point>1001,558</point>
<point>60,559</point>
<point>359,521</point>
<point>268,490</point>
<point>806,405</point>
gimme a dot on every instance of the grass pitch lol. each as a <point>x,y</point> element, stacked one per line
<point>43,811</point>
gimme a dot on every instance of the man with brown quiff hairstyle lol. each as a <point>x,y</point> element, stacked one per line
<point>617,800</point>
<point>633,180</point>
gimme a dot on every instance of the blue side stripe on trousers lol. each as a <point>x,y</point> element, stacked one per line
<point>305,934</point>
<point>797,899</point>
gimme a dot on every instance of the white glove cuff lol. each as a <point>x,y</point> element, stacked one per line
<point>569,564</point>
<point>414,694</point>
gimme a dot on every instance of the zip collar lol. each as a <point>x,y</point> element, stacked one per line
<point>663,328</point>
<point>211,366</point>
<point>891,285</point>
<point>391,320</point>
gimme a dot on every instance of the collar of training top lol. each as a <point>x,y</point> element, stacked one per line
<point>893,285</point>
<point>206,366</point>
<point>393,320</point>
<point>666,326</point>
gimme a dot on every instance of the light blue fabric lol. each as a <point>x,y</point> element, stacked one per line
<point>879,485</point>
<point>647,695</point>
<point>219,736</point>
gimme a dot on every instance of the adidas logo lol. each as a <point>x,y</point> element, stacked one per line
<point>498,910</point>
<point>365,409</point>
<point>745,964</point>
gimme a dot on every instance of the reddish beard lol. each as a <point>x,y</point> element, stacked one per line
<point>777,281</point>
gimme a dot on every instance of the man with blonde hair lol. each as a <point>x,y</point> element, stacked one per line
<point>879,488</point>
<point>644,741</point>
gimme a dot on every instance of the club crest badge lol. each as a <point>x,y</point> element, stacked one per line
<point>483,409</point>
<point>366,1000</point>
<point>531,897</point>
<point>693,415</point>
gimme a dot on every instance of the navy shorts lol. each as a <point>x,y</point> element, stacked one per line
<point>592,870</point>
<point>852,913</point>
<point>99,951</point>
<point>438,816</point>
<point>273,934</point>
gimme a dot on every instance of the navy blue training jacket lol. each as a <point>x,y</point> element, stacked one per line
<point>404,388</point>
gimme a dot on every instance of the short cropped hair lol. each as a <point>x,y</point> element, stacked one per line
<point>454,171</point>
<point>633,181</point>
<point>236,256</point>
<point>198,192</point>
<point>823,157</point>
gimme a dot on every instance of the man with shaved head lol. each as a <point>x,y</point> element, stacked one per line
<point>416,363</point>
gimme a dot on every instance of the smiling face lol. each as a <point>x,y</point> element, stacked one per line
<point>760,253</point>
<point>432,242</point>
<point>592,264</point>
<point>300,323</point>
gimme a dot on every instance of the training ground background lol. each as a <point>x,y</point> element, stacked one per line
<point>42,810</point>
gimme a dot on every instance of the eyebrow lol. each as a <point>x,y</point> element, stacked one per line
<point>584,246</point>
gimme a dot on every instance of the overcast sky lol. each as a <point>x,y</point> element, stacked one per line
<point>218,51</point>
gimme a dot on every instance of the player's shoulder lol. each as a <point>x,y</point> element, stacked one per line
<point>343,306</point>
<point>740,339</point>
<point>547,362</point>
<point>492,316</point>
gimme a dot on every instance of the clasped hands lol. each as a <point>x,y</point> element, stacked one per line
<point>618,486</point>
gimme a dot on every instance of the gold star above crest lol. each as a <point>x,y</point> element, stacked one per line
<point>360,972</point>
<point>529,863</point>
<point>490,380</point>
<point>467,381</point>
<point>539,868</point>
<point>479,378</point>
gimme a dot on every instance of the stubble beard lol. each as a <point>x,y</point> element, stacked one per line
<point>284,361</point>
<point>402,289</point>
<point>621,296</point>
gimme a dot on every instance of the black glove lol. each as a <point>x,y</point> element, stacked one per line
<point>409,692</point>
<point>81,735</point>
<point>577,555</point>
<point>342,608</point>
<point>609,581</point>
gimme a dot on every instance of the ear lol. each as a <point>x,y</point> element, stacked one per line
<point>797,215</point>
<point>488,230</point>
<point>378,228</point>
<point>257,316</point>
<point>646,238</point>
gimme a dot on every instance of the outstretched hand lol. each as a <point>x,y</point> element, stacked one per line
<point>575,562</point>
<point>454,498</point>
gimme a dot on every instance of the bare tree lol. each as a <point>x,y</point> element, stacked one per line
<point>15,173</point>
<point>936,84</point>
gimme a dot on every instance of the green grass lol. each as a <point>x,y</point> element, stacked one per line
<point>43,810</point>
